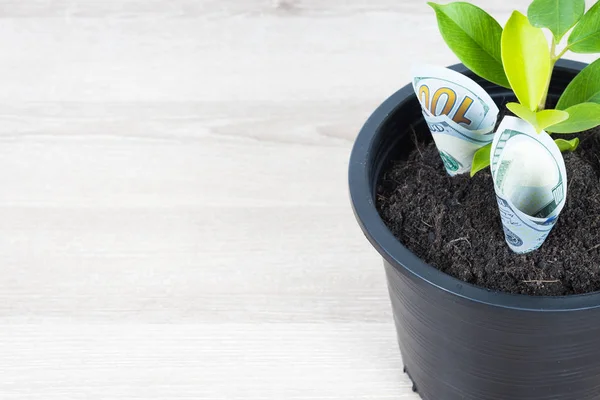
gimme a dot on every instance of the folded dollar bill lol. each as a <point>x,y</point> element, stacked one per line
<point>459,113</point>
<point>530,181</point>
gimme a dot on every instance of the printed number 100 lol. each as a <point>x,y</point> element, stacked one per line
<point>450,97</point>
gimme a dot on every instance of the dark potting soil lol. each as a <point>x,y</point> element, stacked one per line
<point>454,224</point>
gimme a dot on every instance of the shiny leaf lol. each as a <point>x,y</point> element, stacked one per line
<point>567,145</point>
<point>541,119</point>
<point>481,159</point>
<point>581,118</point>
<point>584,88</point>
<point>559,16</point>
<point>474,36</point>
<point>585,38</point>
<point>523,112</point>
<point>526,58</point>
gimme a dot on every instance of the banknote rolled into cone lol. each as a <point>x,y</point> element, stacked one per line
<point>530,181</point>
<point>460,114</point>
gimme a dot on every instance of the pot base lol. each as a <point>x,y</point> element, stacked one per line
<point>414,385</point>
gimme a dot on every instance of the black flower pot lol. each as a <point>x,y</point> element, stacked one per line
<point>459,341</point>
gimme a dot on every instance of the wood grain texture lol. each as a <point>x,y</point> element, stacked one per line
<point>201,361</point>
<point>174,206</point>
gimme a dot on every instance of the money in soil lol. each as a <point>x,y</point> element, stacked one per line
<point>453,223</point>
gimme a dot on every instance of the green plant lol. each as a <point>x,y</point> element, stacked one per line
<point>519,57</point>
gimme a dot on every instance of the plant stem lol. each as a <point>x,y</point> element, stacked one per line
<point>562,53</point>
<point>553,59</point>
<point>542,104</point>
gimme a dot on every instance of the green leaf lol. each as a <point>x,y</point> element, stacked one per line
<point>541,119</point>
<point>481,159</point>
<point>526,58</point>
<point>581,118</point>
<point>523,112</point>
<point>474,36</point>
<point>546,118</point>
<point>585,38</point>
<point>584,88</point>
<point>557,15</point>
<point>567,145</point>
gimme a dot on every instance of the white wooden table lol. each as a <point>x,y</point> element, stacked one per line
<point>174,210</point>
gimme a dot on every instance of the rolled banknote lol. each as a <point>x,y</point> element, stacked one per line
<point>459,113</point>
<point>530,181</point>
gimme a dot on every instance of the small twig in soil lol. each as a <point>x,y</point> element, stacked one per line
<point>595,247</point>
<point>437,223</point>
<point>412,128</point>
<point>569,185</point>
<point>425,223</point>
<point>383,199</point>
<point>538,281</point>
<point>464,238</point>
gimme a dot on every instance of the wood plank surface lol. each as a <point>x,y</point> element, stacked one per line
<point>174,206</point>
